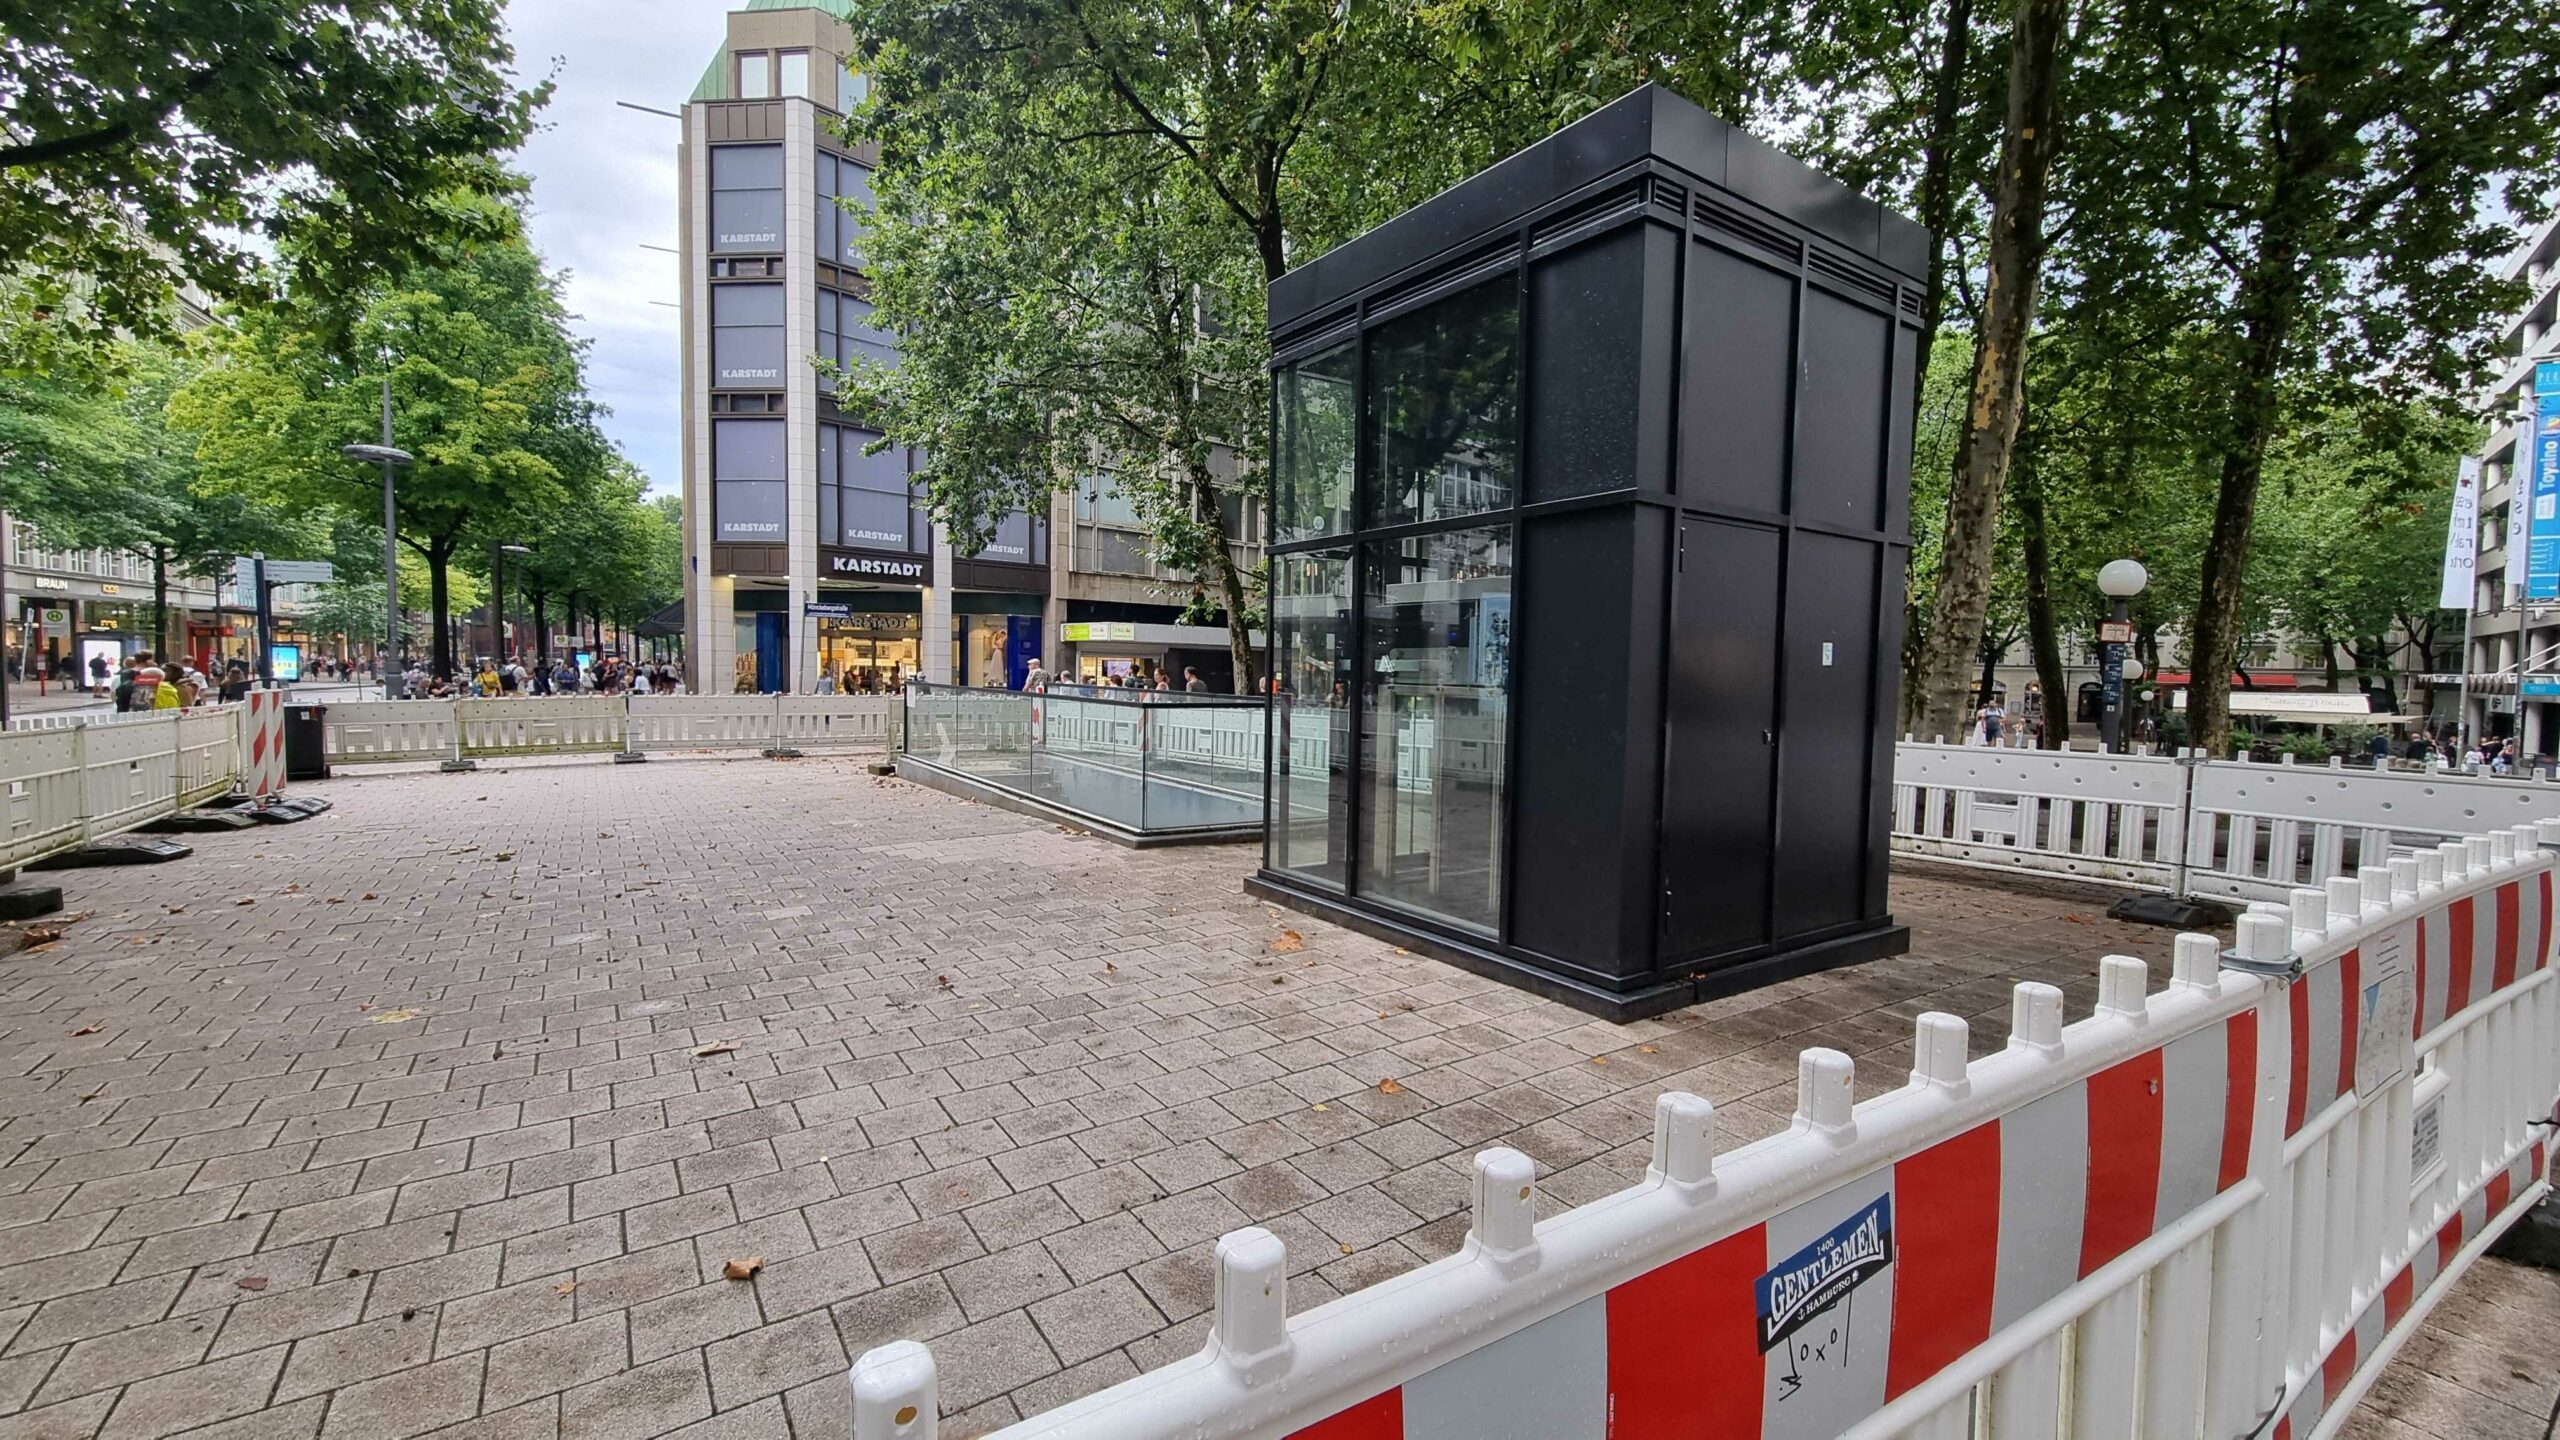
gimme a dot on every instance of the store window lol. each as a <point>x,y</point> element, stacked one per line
<point>1317,413</point>
<point>1436,648</point>
<point>844,198</point>
<point>755,75</point>
<point>746,198</point>
<point>870,654</point>
<point>865,502</point>
<point>1444,395</point>
<point>746,337</point>
<point>748,496</point>
<point>846,335</point>
<point>1311,754</point>
<point>795,73</point>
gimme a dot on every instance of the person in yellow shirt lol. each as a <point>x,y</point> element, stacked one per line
<point>488,679</point>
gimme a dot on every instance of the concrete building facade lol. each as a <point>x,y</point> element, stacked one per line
<point>2514,650</point>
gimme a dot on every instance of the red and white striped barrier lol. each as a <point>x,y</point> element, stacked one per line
<point>2210,1210</point>
<point>262,743</point>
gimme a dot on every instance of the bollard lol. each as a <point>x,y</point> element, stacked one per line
<point>2475,855</point>
<point>2376,880</point>
<point>2264,939</point>
<point>2123,986</point>
<point>1684,1140</point>
<point>2346,903</point>
<point>2310,916</point>
<point>896,1393</point>
<point>2431,869</point>
<point>2195,962</point>
<point>2502,847</point>
<point>2404,878</point>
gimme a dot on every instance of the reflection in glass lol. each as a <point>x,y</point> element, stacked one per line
<point>746,336</point>
<point>1436,641</point>
<point>1315,416</point>
<point>746,198</point>
<point>1311,755</point>
<point>1444,395</point>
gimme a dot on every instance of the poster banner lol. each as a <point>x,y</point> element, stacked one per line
<point>2462,539</point>
<point>2542,547</point>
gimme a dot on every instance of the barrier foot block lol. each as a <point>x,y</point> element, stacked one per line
<point>2173,912</point>
<point>123,850</point>
<point>2533,1240</point>
<point>782,752</point>
<point>285,809</point>
<point>187,822</point>
<point>456,767</point>
<point>22,901</point>
<point>628,757</point>
<point>882,767</point>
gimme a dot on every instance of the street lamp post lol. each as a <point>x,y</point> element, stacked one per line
<point>2119,581</point>
<point>394,674</point>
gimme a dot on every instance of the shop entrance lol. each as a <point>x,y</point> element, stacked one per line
<point>869,653</point>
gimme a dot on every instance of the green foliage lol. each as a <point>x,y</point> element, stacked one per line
<point>145,138</point>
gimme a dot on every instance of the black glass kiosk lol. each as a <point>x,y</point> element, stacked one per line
<point>1590,491</point>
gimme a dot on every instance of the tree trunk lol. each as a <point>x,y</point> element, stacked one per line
<point>1204,505</point>
<point>1997,396</point>
<point>2043,637</point>
<point>439,592</point>
<point>541,630</point>
<point>2266,299</point>
<point>1937,175</point>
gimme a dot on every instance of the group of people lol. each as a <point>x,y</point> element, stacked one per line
<point>1041,679</point>
<point>143,684</point>
<point>1994,725</point>
<point>491,678</point>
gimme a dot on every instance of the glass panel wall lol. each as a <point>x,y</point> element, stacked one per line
<point>1018,539</point>
<point>795,73</point>
<point>840,228</point>
<point>748,498</point>
<point>1314,413</point>
<point>746,198</point>
<point>846,335</point>
<point>1436,653</point>
<point>746,336</point>
<point>1444,400</point>
<point>755,75</point>
<point>1311,753</point>
<point>865,501</point>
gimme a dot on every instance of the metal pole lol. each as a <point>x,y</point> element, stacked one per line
<point>395,677</point>
<point>6,536</point>
<point>266,620</point>
<point>2462,705</point>
<point>2111,683</point>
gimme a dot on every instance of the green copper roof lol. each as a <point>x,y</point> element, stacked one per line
<point>714,84</point>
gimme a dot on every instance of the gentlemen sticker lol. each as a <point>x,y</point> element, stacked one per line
<point>1824,1273</point>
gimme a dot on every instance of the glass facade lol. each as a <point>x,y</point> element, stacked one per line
<point>746,337</point>
<point>839,229</point>
<point>749,499</point>
<point>1315,413</point>
<point>1443,388</point>
<point>1311,705</point>
<point>1019,539</point>
<point>746,199</point>
<point>795,73</point>
<point>1392,655</point>
<point>865,501</point>
<point>846,335</point>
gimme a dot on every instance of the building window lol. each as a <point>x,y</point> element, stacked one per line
<point>841,183</point>
<point>746,197</point>
<point>865,502</point>
<point>746,336</point>
<point>1443,387</point>
<point>852,88</point>
<point>846,334</point>
<point>1311,754</point>
<point>795,73</point>
<point>1018,539</point>
<point>755,75</point>
<point>1316,413</point>
<point>749,494</point>
<point>1435,637</point>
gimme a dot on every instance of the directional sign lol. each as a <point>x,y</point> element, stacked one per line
<point>283,572</point>
<point>2115,632</point>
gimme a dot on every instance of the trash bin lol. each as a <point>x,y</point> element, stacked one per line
<point>306,747</point>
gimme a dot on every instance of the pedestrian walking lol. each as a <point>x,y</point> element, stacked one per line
<point>1192,683</point>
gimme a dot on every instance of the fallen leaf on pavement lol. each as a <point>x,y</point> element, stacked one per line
<point>1288,941</point>
<point>246,900</point>
<point>1346,1249</point>
<point>1322,1106</point>
<point>1388,1086</point>
<point>564,1287</point>
<point>369,895</point>
<point>716,1047</point>
<point>392,1017</point>
<point>2077,919</point>
<point>1648,1049</point>
<point>1599,1059</point>
<point>252,1282</point>
<point>504,855</point>
<point>86,1030</point>
<point>743,1269</point>
<point>43,934</point>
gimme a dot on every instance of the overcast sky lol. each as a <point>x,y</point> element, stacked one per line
<point>604,184</point>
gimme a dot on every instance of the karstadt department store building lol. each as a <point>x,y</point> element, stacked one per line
<point>807,556</point>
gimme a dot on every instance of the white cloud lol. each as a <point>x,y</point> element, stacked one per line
<point>604,185</point>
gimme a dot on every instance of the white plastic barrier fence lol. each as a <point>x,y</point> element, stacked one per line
<point>2190,826</point>
<point>2211,1210</point>
<point>377,731</point>
<point>66,786</point>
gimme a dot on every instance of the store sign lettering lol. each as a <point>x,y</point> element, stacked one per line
<point>734,374</point>
<point>873,567</point>
<point>750,237</point>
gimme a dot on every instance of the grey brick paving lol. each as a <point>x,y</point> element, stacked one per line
<point>984,1082</point>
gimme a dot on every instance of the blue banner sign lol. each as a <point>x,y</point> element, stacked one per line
<point>2539,686</point>
<point>2542,547</point>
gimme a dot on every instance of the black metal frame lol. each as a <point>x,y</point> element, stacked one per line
<point>1426,263</point>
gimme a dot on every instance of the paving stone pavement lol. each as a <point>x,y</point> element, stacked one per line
<point>2484,1366</point>
<point>443,1113</point>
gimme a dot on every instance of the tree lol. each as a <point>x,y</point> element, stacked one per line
<point>2309,185</point>
<point>144,138</point>
<point>2031,139</point>
<point>487,392</point>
